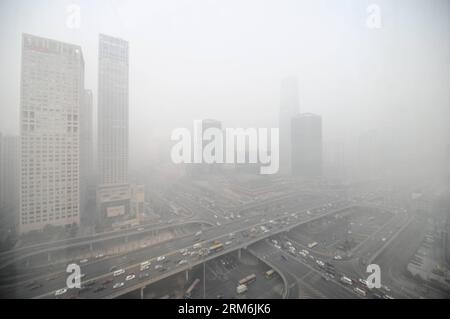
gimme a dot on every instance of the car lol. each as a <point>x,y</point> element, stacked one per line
<point>130,277</point>
<point>118,285</point>
<point>337,257</point>
<point>182,262</point>
<point>197,246</point>
<point>60,292</point>
<point>118,272</point>
<point>363,282</point>
<point>83,261</point>
<point>277,246</point>
<point>98,256</point>
<point>158,267</point>
<point>160,258</point>
<point>283,257</point>
<point>228,243</point>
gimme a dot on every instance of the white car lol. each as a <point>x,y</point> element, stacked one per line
<point>99,256</point>
<point>160,258</point>
<point>83,261</point>
<point>182,262</point>
<point>118,272</point>
<point>60,292</point>
<point>118,285</point>
<point>158,267</point>
<point>337,257</point>
<point>277,246</point>
<point>130,277</point>
<point>228,243</point>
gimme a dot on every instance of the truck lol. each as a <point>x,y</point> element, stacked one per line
<point>312,245</point>
<point>346,280</point>
<point>241,289</point>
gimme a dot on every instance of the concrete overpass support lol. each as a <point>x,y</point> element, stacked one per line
<point>187,275</point>
<point>239,254</point>
<point>142,292</point>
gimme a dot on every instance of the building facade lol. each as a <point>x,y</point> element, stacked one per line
<point>306,137</point>
<point>117,199</point>
<point>289,107</point>
<point>52,88</point>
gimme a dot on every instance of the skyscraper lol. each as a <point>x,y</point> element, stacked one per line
<point>112,111</point>
<point>289,107</point>
<point>52,87</point>
<point>119,204</point>
<point>306,140</point>
<point>9,177</point>
<point>86,158</point>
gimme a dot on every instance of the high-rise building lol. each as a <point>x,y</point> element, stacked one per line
<point>52,88</point>
<point>87,182</point>
<point>112,111</point>
<point>306,139</point>
<point>289,107</point>
<point>119,204</point>
<point>9,178</point>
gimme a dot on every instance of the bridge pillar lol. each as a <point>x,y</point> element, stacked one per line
<point>239,254</point>
<point>187,275</point>
<point>49,256</point>
<point>142,292</point>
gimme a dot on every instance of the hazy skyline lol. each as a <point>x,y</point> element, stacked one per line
<point>226,60</point>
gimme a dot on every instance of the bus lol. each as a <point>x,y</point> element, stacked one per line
<point>312,245</point>
<point>247,280</point>
<point>215,248</point>
<point>269,274</point>
<point>188,292</point>
<point>360,292</point>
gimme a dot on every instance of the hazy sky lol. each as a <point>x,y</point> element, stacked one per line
<point>224,59</point>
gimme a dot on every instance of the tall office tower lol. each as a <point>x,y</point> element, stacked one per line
<point>87,181</point>
<point>116,198</point>
<point>52,86</point>
<point>9,178</point>
<point>306,135</point>
<point>289,107</point>
<point>113,111</point>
